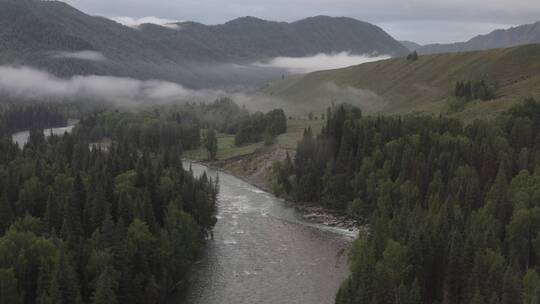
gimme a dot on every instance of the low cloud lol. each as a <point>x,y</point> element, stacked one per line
<point>366,100</point>
<point>31,84</point>
<point>81,55</point>
<point>135,23</point>
<point>320,62</point>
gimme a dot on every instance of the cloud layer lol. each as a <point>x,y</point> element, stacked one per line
<point>320,62</point>
<point>29,83</point>
<point>24,83</point>
<point>81,55</point>
<point>135,23</point>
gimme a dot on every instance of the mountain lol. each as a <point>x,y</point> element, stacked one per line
<point>398,86</point>
<point>249,38</point>
<point>520,35</point>
<point>50,35</point>
<point>411,46</point>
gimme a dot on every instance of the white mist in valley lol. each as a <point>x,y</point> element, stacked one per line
<point>136,22</point>
<point>300,65</point>
<point>32,84</point>
<point>80,55</point>
<point>26,83</point>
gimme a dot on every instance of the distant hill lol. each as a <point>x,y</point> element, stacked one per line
<point>515,36</point>
<point>411,46</point>
<point>426,85</point>
<point>33,33</point>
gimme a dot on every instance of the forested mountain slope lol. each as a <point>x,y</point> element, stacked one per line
<point>38,33</point>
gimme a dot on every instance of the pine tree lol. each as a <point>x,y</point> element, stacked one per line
<point>125,211</point>
<point>455,268</point>
<point>99,207</point>
<point>148,212</point>
<point>415,294</point>
<point>75,210</point>
<point>511,287</point>
<point>478,298</point>
<point>8,287</point>
<point>139,177</point>
<point>531,290</point>
<point>497,198</point>
<point>459,89</point>
<point>211,143</point>
<point>64,287</point>
<point>6,212</point>
<point>53,216</point>
<point>44,282</point>
<point>106,288</point>
<point>108,231</point>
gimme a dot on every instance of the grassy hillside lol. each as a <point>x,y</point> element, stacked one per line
<point>427,85</point>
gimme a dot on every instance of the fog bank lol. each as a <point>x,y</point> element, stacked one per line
<point>31,84</point>
<point>81,55</point>
<point>135,23</point>
<point>300,65</point>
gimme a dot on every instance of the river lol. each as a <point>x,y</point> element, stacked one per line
<point>262,252</point>
<point>21,138</point>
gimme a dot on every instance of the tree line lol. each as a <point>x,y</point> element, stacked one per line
<point>452,210</point>
<point>14,118</point>
<point>150,129</point>
<point>258,127</point>
<point>89,226</point>
<point>472,90</point>
<point>222,115</point>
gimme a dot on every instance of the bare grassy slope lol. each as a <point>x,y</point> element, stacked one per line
<point>400,86</point>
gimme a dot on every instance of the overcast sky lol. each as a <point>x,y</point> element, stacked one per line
<point>423,21</point>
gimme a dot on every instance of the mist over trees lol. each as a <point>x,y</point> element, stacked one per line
<point>258,126</point>
<point>211,143</point>
<point>451,208</point>
<point>15,118</point>
<point>150,130</point>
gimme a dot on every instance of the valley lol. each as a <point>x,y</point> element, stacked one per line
<point>347,152</point>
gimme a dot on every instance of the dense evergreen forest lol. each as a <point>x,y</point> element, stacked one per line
<point>259,126</point>
<point>221,115</point>
<point>82,225</point>
<point>156,130</point>
<point>225,116</point>
<point>474,90</point>
<point>15,118</point>
<point>452,210</point>
<point>148,130</point>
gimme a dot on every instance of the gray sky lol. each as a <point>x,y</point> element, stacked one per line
<point>423,21</point>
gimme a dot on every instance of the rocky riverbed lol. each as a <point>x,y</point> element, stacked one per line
<point>319,215</point>
<point>255,170</point>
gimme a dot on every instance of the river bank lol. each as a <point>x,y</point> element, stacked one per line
<point>21,137</point>
<point>255,169</point>
<point>262,252</point>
